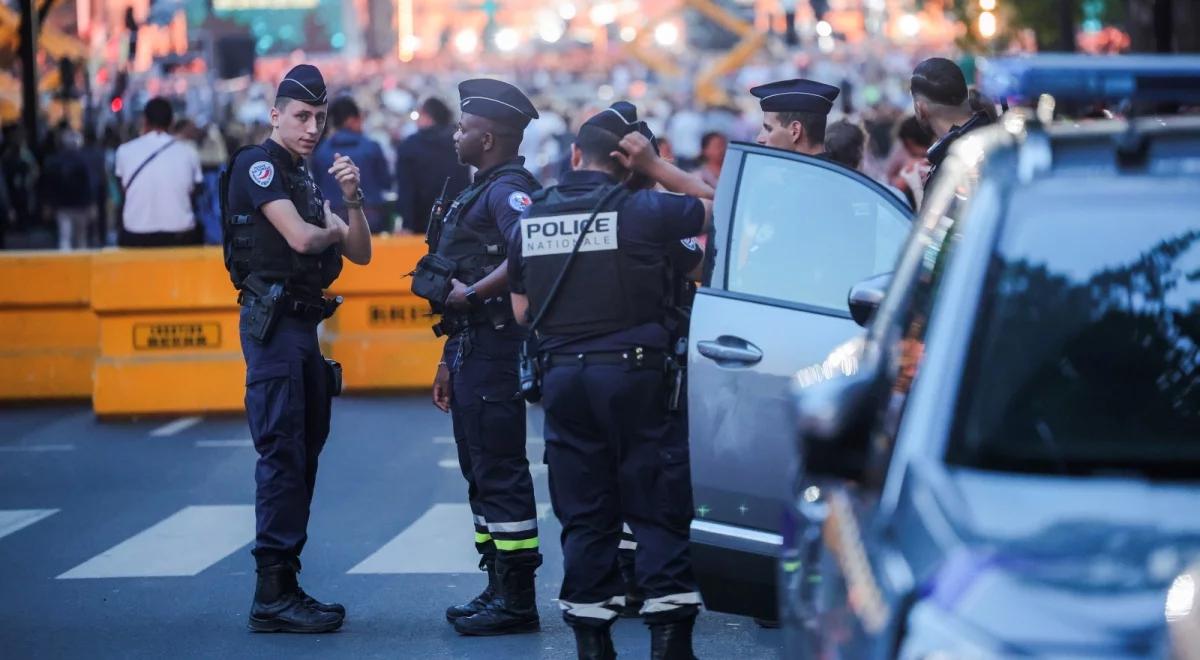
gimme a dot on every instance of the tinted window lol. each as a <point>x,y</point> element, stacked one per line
<point>1086,356</point>
<point>804,233</point>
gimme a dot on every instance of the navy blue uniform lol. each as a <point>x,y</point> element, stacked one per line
<point>487,410</point>
<point>615,453</point>
<point>288,401</point>
<point>424,162</point>
<point>373,171</point>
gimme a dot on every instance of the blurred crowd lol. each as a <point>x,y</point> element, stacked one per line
<point>398,125</point>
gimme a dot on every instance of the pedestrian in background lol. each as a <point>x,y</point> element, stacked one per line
<point>712,156</point>
<point>425,164</point>
<point>845,143</point>
<point>69,191</point>
<point>348,140</point>
<point>158,173</point>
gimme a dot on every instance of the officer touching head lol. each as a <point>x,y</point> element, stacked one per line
<point>283,246</point>
<point>794,113</point>
<point>592,278</point>
<point>466,280</point>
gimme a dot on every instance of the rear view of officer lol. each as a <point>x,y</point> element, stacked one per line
<point>283,246</point>
<point>465,277</point>
<point>600,307</point>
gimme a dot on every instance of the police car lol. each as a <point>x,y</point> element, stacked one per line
<point>1008,463</point>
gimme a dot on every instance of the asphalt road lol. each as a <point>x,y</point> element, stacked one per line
<point>131,539</point>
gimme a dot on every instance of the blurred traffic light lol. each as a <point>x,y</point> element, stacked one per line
<point>117,105</point>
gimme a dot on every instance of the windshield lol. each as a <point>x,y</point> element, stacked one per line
<point>1086,355</point>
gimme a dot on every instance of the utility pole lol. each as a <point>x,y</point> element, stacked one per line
<point>28,53</point>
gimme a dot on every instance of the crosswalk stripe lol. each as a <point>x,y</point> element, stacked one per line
<point>36,448</point>
<point>174,427</point>
<point>449,440</point>
<point>211,444</point>
<point>535,466</point>
<point>14,520</point>
<point>183,544</point>
<point>438,542</point>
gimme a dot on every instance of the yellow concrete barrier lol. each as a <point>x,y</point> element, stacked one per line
<point>48,334</point>
<point>168,333</point>
<point>381,334</point>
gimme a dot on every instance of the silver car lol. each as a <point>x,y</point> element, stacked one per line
<point>794,234</point>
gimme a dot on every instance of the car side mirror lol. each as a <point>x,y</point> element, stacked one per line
<point>834,407</point>
<point>865,297</point>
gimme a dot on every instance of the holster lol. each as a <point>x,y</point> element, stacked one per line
<point>529,371</point>
<point>266,306</point>
<point>333,370</point>
<point>432,279</point>
<point>676,370</point>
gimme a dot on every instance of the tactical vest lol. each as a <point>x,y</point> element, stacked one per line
<point>253,245</point>
<point>476,254</point>
<point>608,288</point>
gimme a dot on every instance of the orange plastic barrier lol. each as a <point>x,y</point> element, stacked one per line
<point>381,334</point>
<point>168,333</point>
<point>48,334</point>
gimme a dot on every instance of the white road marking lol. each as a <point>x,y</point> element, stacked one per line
<point>174,427</point>
<point>210,444</point>
<point>37,448</point>
<point>183,544</point>
<point>535,467</point>
<point>14,520</point>
<point>440,541</point>
<point>448,463</point>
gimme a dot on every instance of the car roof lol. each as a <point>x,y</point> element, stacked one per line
<point>1092,79</point>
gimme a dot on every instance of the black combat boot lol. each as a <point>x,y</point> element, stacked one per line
<point>513,609</point>
<point>456,612</point>
<point>672,640</point>
<point>335,608</point>
<point>279,605</point>
<point>594,643</point>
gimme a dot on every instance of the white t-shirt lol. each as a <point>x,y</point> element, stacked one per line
<point>160,197</point>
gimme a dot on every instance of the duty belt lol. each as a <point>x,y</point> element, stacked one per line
<point>636,358</point>
<point>308,309</point>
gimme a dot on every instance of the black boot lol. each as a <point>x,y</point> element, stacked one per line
<point>455,612</point>
<point>513,609</point>
<point>279,606</point>
<point>594,643</point>
<point>672,640</point>
<point>335,608</point>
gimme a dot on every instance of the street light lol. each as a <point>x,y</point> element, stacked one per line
<point>987,5</point>
<point>603,14</point>
<point>666,34</point>
<point>466,41</point>
<point>824,29</point>
<point>507,40</point>
<point>910,25</point>
<point>987,25</point>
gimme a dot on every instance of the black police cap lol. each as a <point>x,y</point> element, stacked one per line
<point>621,119</point>
<point>798,95</point>
<point>496,100</point>
<point>304,83</point>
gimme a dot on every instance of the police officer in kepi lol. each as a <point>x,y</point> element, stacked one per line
<point>794,114</point>
<point>592,280</point>
<point>283,247</point>
<point>465,278</point>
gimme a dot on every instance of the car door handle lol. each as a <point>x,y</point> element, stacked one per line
<point>726,350</point>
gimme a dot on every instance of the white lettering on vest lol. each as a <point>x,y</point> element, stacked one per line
<point>557,234</point>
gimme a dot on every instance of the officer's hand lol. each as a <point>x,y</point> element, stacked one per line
<point>458,296</point>
<point>346,173</point>
<point>441,388</point>
<point>332,221</point>
<point>635,153</point>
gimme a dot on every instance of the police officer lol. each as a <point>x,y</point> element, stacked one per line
<point>794,114</point>
<point>477,378</point>
<point>283,246</point>
<point>613,450</point>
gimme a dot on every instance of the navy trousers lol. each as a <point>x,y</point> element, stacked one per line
<point>489,431</point>
<point>617,455</point>
<point>288,407</point>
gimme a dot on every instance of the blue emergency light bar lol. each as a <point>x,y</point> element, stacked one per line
<point>1092,78</point>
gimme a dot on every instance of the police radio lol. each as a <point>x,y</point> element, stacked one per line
<point>437,214</point>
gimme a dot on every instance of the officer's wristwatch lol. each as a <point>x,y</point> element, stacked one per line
<point>355,202</point>
<point>473,298</point>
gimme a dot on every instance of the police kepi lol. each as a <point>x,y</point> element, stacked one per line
<point>591,274</point>
<point>283,247</point>
<point>794,114</point>
<point>465,278</point>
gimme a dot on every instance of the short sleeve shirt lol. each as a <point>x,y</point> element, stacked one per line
<point>254,178</point>
<point>502,204</point>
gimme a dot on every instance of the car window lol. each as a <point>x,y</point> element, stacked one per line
<point>1096,287</point>
<point>805,233</point>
